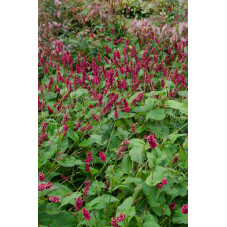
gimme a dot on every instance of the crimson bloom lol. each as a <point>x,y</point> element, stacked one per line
<point>102,156</point>
<point>152,141</point>
<point>171,206</point>
<point>175,160</point>
<point>54,199</point>
<point>184,209</point>
<point>41,177</point>
<point>86,214</point>
<point>78,203</point>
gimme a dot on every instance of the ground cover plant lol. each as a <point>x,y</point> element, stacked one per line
<point>113,116</point>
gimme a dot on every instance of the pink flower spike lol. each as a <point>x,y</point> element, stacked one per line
<point>86,214</point>
<point>63,177</point>
<point>152,141</point>
<point>171,206</point>
<point>184,209</point>
<point>164,181</point>
<point>78,203</point>
<point>41,177</point>
<point>102,156</point>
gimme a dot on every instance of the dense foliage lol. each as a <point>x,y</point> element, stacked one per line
<point>113,97</point>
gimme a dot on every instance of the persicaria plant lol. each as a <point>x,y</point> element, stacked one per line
<point>113,113</point>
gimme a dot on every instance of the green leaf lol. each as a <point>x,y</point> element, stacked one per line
<point>61,190</point>
<point>126,164</point>
<point>167,210</point>
<point>134,180</point>
<point>157,114</point>
<point>87,143</point>
<point>96,138</point>
<point>180,218</point>
<point>81,92</point>
<point>140,53</point>
<point>52,208</point>
<point>175,136</point>
<point>69,162</point>
<point>44,157</point>
<point>151,195</point>
<point>156,177</point>
<point>66,218</point>
<point>73,94</point>
<point>50,95</point>
<point>136,142</point>
<point>64,143</point>
<point>91,222</point>
<point>122,115</point>
<point>157,210</point>
<point>182,107</point>
<point>183,93</point>
<point>52,129</point>
<point>149,224</point>
<point>69,199</point>
<point>101,202</point>
<point>183,158</point>
<point>71,134</point>
<point>150,220</point>
<point>127,208</point>
<point>122,133</point>
<point>96,187</point>
<point>137,154</point>
<point>53,174</point>
<point>137,191</point>
<point>160,131</point>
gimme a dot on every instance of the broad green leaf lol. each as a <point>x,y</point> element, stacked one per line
<point>52,129</point>
<point>127,208</point>
<point>73,94</point>
<point>69,162</point>
<point>136,142</point>
<point>50,95</point>
<point>69,199</point>
<point>81,92</point>
<point>150,220</point>
<point>137,191</point>
<point>167,210</point>
<point>122,133</point>
<point>183,158</point>
<point>61,191</point>
<point>91,222</point>
<point>175,136</point>
<point>123,115</point>
<point>100,202</point>
<point>52,208</point>
<point>156,177</point>
<point>96,187</point>
<point>137,154</point>
<point>53,174</point>
<point>156,114</point>
<point>183,93</point>
<point>182,107</point>
<point>180,218</point>
<point>73,135</point>
<point>64,143</point>
<point>151,195</point>
<point>47,155</point>
<point>134,180</point>
<point>96,138</point>
<point>87,142</point>
<point>157,210</point>
<point>66,218</point>
<point>126,164</point>
<point>160,131</point>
